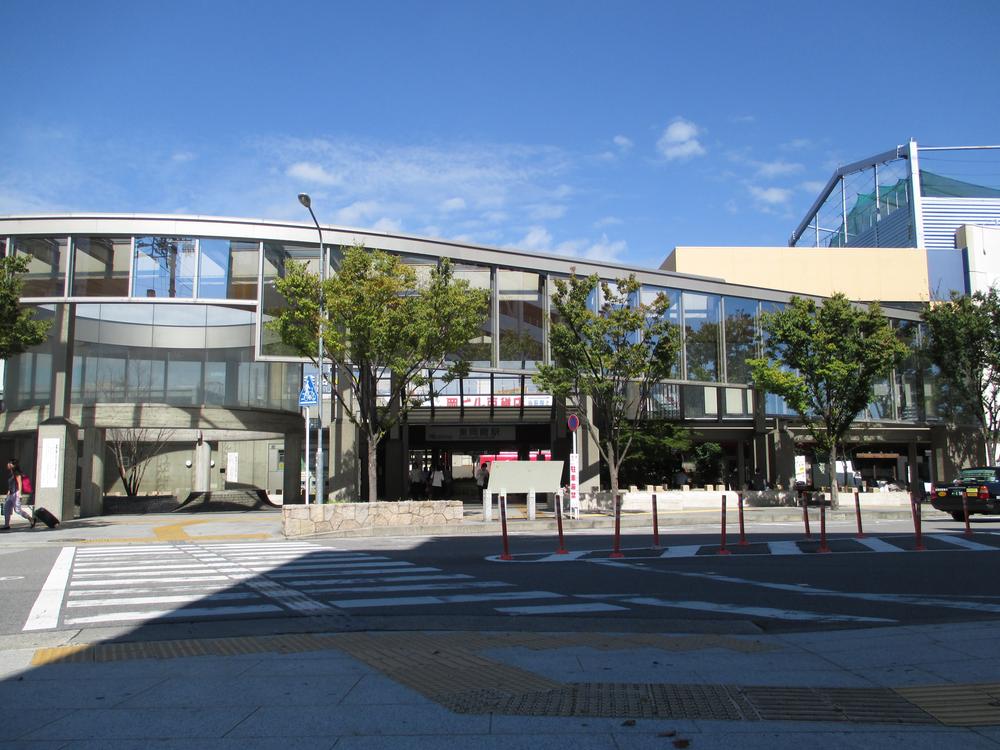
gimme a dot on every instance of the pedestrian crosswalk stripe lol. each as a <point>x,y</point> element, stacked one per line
<point>177,599</point>
<point>412,601</point>
<point>175,614</point>
<point>784,548</point>
<point>878,545</point>
<point>560,609</point>
<point>960,541</point>
<point>173,579</point>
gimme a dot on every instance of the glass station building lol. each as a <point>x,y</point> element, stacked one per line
<point>159,324</point>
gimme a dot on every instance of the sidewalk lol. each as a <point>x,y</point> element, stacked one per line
<point>892,687</point>
<point>329,685</point>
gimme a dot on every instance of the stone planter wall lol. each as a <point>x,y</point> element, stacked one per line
<point>309,520</point>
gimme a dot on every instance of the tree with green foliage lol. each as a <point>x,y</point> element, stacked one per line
<point>963,341</point>
<point>825,360</point>
<point>656,453</point>
<point>611,353</point>
<point>382,325</point>
<point>19,331</point>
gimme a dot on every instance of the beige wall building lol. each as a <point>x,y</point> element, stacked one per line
<point>886,274</point>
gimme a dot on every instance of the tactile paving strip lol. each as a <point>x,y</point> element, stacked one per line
<point>958,705</point>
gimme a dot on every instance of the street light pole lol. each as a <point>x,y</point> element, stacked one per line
<point>306,201</point>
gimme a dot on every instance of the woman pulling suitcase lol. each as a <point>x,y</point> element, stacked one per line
<point>13,502</point>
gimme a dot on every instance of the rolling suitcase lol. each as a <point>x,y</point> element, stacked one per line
<point>45,517</point>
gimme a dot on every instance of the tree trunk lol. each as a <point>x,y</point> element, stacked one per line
<point>372,474</point>
<point>612,470</point>
<point>832,471</point>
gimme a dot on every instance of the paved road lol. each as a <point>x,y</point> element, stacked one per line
<point>779,582</point>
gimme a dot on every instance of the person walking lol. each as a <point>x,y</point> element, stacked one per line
<point>437,483</point>
<point>13,502</point>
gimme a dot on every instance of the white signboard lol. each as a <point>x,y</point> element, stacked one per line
<point>525,476</point>
<point>574,480</point>
<point>49,471</point>
<point>800,469</point>
<point>232,467</point>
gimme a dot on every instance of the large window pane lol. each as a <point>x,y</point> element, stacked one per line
<point>164,267</point>
<point>276,259</point>
<point>521,294</point>
<point>46,274</point>
<point>228,269</point>
<point>741,337</point>
<point>647,295</point>
<point>909,403</point>
<point>479,350</point>
<point>701,336</point>
<point>100,266</point>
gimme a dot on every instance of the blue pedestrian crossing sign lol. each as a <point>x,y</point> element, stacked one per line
<point>308,396</point>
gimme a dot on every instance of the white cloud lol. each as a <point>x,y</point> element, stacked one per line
<point>356,213</point>
<point>797,144</point>
<point>387,225</point>
<point>546,211</point>
<point>812,186</point>
<point>771,196</point>
<point>777,168</point>
<point>182,156</point>
<point>453,204</point>
<point>606,250</point>
<point>743,119</point>
<point>623,143</point>
<point>607,221</point>
<point>311,172</point>
<point>537,238</point>
<point>680,140</point>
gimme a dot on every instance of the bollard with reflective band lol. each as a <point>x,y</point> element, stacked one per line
<point>917,531</point>
<point>617,551</point>
<point>857,513</point>
<point>805,514</point>
<point>502,502</point>
<point>656,525</point>
<point>965,512</point>
<point>559,499</point>
<point>743,532</point>
<point>722,545</point>
<point>822,527</point>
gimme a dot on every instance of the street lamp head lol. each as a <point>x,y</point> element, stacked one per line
<point>305,200</point>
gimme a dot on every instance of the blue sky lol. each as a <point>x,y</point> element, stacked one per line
<point>596,129</point>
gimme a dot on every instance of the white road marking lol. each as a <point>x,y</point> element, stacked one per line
<point>799,588</point>
<point>179,599</point>
<point>683,550</point>
<point>784,548</point>
<point>559,609</point>
<point>45,612</point>
<point>176,614</point>
<point>879,545</point>
<point>575,554</point>
<point>413,601</point>
<point>172,579</point>
<point>961,541</point>
<point>416,587</point>
<point>769,612</point>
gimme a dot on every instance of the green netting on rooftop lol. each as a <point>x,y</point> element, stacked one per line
<point>938,186</point>
<point>861,217</point>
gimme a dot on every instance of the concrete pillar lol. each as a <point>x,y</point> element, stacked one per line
<point>784,458</point>
<point>590,455</point>
<point>57,439</point>
<point>345,467</point>
<point>55,474</point>
<point>92,450</point>
<point>201,469</point>
<point>292,476</point>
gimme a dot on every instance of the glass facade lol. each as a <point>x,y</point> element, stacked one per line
<point>701,336</point>
<point>521,331</point>
<point>101,266</point>
<point>199,353</point>
<point>46,276</point>
<point>164,267</point>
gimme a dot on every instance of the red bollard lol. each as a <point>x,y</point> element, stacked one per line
<point>562,546</point>
<point>617,551</point>
<point>857,513</point>
<point>822,527</point>
<point>965,511</point>
<point>503,525</point>
<point>917,532</point>
<point>805,515</point>
<point>743,533</point>
<point>656,525</point>
<point>722,547</point>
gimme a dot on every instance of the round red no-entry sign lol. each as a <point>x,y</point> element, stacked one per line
<point>573,422</point>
